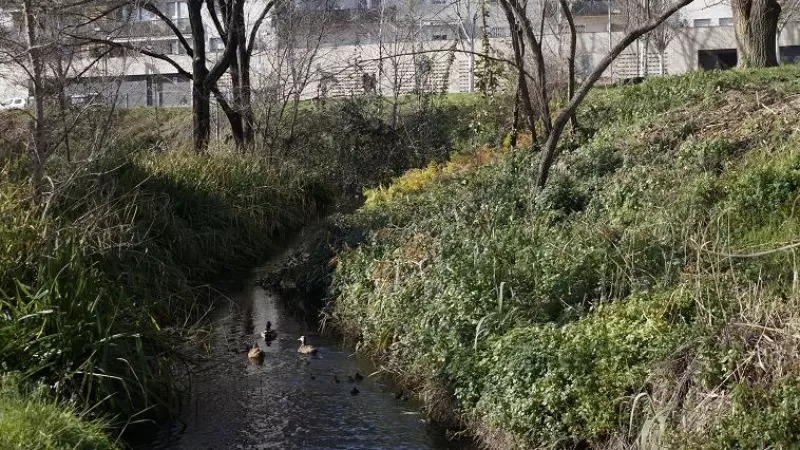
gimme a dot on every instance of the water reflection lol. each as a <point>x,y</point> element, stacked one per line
<point>287,400</point>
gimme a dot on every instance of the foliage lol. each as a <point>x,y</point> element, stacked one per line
<point>122,252</point>
<point>36,422</point>
<point>606,310</point>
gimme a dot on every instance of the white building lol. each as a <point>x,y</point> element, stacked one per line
<point>338,46</point>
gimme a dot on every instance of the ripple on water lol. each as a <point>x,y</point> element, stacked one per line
<point>288,401</point>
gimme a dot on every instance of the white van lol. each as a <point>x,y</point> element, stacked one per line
<point>14,103</point>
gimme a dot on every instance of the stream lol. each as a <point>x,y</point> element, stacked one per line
<point>289,401</point>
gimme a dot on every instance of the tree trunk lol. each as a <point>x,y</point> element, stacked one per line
<point>573,37</point>
<point>518,44</point>
<point>236,114</point>
<point>543,96</point>
<point>515,122</point>
<point>201,105</point>
<point>38,150</point>
<point>248,119</point>
<point>756,28</point>
<point>551,145</point>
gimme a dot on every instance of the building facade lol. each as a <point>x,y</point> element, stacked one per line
<point>313,48</point>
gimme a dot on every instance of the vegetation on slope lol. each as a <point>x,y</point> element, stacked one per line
<point>35,422</point>
<point>638,300</point>
<point>94,280</point>
<point>101,281</point>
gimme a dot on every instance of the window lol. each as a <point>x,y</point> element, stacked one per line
<point>134,14</point>
<point>580,28</point>
<point>178,10</point>
<point>701,23</point>
<point>439,37</point>
<point>438,2</point>
<point>726,21</point>
<point>216,44</point>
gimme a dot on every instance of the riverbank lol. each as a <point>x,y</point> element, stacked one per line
<point>648,297</point>
<point>99,281</point>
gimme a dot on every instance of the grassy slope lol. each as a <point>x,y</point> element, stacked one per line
<point>606,312</point>
<point>93,283</point>
<point>36,423</point>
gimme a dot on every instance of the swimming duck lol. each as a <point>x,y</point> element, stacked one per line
<point>269,334</point>
<point>336,379</point>
<point>305,348</point>
<point>355,391</point>
<point>359,377</point>
<point>255,352</point>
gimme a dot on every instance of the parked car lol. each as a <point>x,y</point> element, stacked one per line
<point>14,103</point>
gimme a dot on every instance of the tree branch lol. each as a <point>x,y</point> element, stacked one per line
<point>549,154</point>
<point>212,11</point>
<point>145,52</point>
<point>257,25</point>
<point>222,64</point>
<point>153,9</point>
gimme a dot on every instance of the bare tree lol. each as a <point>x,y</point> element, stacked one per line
<point>553,130</point>
<point>228,19</point>
<point>33,41</point>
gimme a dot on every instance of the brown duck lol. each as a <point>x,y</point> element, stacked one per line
<point>305,348</point>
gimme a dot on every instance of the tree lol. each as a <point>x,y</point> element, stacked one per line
<point>553,130</point>
<point>755,23</point>
<point>35,41</point>
<point>228,19</point>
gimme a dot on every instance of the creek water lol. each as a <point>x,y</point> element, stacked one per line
<point>288,401</point>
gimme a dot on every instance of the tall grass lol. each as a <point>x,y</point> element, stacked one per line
<point>124,249</point>
<point>36,422</point>
<point>621,307</point>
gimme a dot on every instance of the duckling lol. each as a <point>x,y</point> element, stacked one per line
<point>355,391</point>
<point>313,377</point>
<point>269,334</point>
<point>255,352</point>
<point>305,348</point>
<point>359,377</point>
<point>336,379</point>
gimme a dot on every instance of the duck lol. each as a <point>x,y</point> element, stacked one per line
<point>255,352</point>
<point>269,334</point>
<point>305,348</point>
<point>355,391</point>
<point>359,377</point>
<point>336,379</point>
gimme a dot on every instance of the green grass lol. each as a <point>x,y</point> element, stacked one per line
<point>34,422</point>
<point>605,310</point>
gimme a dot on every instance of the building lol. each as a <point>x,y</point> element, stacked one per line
<point>312,48</point>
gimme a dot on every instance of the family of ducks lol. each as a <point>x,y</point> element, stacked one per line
<point>270,335</point>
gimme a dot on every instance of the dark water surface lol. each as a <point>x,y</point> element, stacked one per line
<point>289,401</point>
